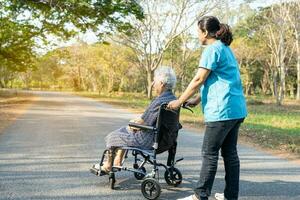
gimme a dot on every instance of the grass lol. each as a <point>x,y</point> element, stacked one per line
<point>269,125</point>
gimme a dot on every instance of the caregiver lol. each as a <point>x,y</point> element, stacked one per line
<point>223,105</point>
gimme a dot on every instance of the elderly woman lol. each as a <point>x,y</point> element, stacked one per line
<point>164,82</point>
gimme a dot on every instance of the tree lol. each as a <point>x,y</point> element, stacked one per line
<point>97,67</point>
<point>252,54</point>
<point>66,17</point>
<point>294,21</point>
<point>251,62</point>
<point>277,31</point>
<point>163,22</point>
<point>15,52</point>
<point>23,23</point>
<point>267,43</point>
<point>183,56</point>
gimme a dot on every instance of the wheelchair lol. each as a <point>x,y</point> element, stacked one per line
<point>165,139</point>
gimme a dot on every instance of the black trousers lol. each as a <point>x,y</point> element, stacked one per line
<point>220,135</point>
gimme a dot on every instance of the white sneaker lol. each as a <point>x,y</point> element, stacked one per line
<point>191,197</point>
<point>96,166</point>
<point>220,196</point>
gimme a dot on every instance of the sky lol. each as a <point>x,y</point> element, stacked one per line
<point>90,37</point>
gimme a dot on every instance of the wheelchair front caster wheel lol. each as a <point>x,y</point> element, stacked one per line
<point>140,176</point>
<point>112,181</point>
<point>150,188</point>
<point>173,176</point>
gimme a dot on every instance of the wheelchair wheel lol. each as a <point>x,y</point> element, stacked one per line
<point>140,176</point>
<point>173,176</point>
<point>150,188</point>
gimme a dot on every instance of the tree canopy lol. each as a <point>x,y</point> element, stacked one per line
<point>266,44</point>
<point>26,24</point>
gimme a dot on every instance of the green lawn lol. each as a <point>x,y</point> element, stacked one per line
<point>272,126</point>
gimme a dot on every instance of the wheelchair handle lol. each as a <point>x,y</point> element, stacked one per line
<point>141,126</point>
<point>184,106</point>
<point>166,108</point>
<point>187,107</point>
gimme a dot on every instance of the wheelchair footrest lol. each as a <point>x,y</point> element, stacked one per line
<point>94,171</point>
<point>97,172</point>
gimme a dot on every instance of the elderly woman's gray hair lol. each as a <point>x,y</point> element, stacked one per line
<point>167,76</point>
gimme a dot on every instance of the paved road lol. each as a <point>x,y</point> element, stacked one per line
<point>47,152</point>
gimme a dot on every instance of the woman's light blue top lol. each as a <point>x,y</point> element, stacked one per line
<point>222,93</point>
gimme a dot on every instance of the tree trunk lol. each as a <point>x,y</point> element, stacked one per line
<point>94,86</point>
<point>248,88</point>
<point>12,83</point>
<point>111,83</point>
<point>282,83</point>
<point>298,77</point>
<point>265,82</point>
<point>275,85</point>
<point>292,93</point>
<point>79,77</point>
<point>298,66</point>
<point>122,84</point>
<point>149,83</point>
<point>2,83</point>
<point>282,72</point>
<point>41,84</point>
<point>182,83</point>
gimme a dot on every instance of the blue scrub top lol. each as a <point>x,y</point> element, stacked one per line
<point>222,93</point>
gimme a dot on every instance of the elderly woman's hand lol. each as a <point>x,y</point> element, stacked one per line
<point>174,105</point>
<point>138,121</point>
<point>133,129</point>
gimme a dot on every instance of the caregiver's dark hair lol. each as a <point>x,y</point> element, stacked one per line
<point>215,29</point>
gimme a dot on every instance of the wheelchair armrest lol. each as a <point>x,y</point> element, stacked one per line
<point>144,127</point>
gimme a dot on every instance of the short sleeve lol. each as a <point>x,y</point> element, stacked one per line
<point>209,58</point>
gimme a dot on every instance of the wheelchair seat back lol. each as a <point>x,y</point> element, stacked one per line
<point>167,127</point>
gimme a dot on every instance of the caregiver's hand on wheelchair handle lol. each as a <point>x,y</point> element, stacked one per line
<point>193,102</point>
<point>174,105</point>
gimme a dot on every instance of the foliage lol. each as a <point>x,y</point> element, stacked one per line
<point>24,23</point>
<point>164,21</point>
<point>128,65</point>
<point>183,59</point>
<point>265,51</point>
<point>98,67</point>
